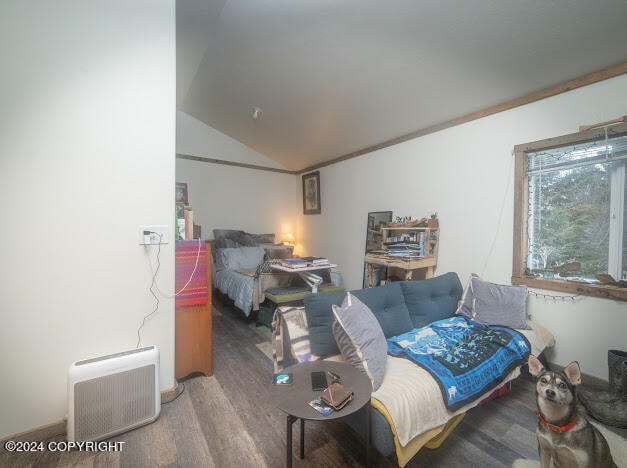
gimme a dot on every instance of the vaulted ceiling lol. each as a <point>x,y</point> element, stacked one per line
<point>331,78</point>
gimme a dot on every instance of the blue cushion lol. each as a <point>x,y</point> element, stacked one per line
<point>385,302</point>
<point>388,306</point>
<point>432,299</point>
<point>318,308</point>
<point>398,307</point>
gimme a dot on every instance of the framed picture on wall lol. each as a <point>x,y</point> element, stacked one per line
<point>311,193</point>
<point>181,193</point>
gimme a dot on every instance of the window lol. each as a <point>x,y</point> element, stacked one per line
<point>570,213</point>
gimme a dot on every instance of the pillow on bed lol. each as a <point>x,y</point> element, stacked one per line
<point>274,251</point>
<point>223,243</point>
<point>465,304</point>
<point>360,338</point>
<point>242,257</point>
<point>242,238</point>
<point>262,238</point>
<point>224,233</point>
<point>216,247</point>
<point>499,304</point>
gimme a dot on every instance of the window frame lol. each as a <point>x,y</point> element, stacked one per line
<point>521,201</point>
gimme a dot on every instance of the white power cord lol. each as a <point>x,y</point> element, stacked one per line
<point>154,287</point>
<point>170,296</point>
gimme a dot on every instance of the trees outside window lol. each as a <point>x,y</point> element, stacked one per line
<point>570,214</point>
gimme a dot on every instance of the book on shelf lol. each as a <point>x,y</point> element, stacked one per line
<point>412,237</point>
<point>404,254</point>
<point>403,245</point>
<point>406,250</point>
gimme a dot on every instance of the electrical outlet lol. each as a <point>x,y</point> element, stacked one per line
<point>156,235</point>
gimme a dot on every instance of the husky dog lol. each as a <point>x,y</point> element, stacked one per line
<point>565,437</point>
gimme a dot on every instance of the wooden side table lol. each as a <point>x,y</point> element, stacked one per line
<point>294,399</point>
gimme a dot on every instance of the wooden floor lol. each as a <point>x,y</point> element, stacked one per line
<point>228,420</point>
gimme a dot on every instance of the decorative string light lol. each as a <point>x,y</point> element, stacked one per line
<point>580,149</point>
<point>573,298</point>
<point>608,148</point>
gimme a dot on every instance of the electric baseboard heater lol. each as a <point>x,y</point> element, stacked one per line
<point>113,394</point>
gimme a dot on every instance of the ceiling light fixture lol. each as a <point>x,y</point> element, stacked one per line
<point>256,112</point>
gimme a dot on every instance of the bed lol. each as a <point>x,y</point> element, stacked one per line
<point>242,269</point>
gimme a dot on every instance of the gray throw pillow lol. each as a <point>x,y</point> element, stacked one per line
<point>360,338</point>
<point>499,304</point>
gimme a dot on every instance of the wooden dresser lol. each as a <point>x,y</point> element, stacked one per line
<point>192,336</point>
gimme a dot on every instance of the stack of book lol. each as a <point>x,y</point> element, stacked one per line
<point>406,249</point>
<point>304,262</point>
<point>294,263</point>
<point>316,261</point>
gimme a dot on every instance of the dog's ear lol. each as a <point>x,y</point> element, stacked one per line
<point>573,373</point>
<point>535,366</point>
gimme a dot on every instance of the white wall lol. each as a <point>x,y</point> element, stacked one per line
<point>86,155</point>
<point>465,173</point>
<point>231,197</point>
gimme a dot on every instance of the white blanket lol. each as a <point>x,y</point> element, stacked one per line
<point>413,398</point>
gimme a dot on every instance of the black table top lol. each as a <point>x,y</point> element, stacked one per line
<point>294,399</point>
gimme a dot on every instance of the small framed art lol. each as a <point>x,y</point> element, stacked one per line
<point>181,193</point>
<point>311,193</point>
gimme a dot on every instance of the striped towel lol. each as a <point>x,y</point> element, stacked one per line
<point>196,291</point>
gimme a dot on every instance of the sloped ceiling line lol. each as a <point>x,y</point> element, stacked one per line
<point>584,80</point>
<point>232,163</point>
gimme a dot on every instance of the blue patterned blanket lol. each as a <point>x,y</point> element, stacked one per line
<point>466,358</point>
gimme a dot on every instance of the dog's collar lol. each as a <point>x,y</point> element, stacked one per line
<point>553,427</point>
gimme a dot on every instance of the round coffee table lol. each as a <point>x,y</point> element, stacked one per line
<point>294,399</point>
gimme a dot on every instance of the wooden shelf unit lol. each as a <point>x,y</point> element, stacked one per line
<point>193,350</point>
<point>391,235</point>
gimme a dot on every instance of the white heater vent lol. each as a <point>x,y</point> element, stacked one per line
<point>113,394</point>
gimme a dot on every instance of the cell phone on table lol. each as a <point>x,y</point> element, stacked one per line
<point>318,381</point>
